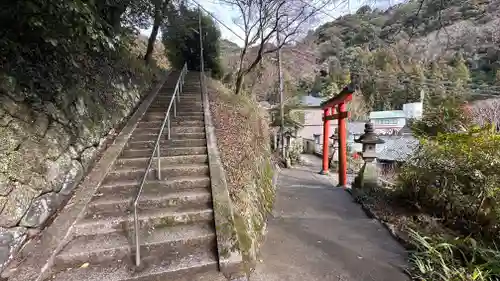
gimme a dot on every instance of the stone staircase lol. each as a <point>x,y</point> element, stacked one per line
<point>178,239</point>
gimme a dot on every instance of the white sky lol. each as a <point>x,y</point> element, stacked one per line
<point>226,14</point>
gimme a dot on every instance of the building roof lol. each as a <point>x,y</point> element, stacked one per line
<point>397,148</point>
<point>312,101</point>
<point>405,131</point>
<point>387,114</point>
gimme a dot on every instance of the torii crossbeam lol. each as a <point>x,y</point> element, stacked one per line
<point>341,115</point>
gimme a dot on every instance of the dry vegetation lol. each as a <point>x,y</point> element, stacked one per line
<point>243,141</point>
<point>158,53</point>
<point>298,61</point>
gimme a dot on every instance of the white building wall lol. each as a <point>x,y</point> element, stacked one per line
<point>313,125</point>
<point>413,110</point>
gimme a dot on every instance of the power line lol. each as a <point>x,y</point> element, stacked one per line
<point>219,21</point>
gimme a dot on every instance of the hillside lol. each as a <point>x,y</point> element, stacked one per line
<point>298,61</point>
<point>141,43</point>
<point>440,47</point>
<point>227,46</point>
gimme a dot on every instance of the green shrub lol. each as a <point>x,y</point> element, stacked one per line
<point>456,176</point>
<point>51,49</point>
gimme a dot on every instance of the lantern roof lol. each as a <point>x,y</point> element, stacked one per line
<point>369,137</point>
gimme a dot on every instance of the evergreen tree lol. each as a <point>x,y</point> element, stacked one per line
<point>460,71</point>
<point>182,42</point>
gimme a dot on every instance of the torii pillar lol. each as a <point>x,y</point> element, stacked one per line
<point>338,104</point>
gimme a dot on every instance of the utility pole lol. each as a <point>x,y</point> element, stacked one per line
<point>280,89</point>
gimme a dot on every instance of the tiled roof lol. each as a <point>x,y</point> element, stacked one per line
<point>396,148</point>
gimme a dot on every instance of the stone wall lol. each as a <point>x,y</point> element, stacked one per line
<point>46,147</point>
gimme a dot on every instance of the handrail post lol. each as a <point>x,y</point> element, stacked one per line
<point>181,82</point>
<point>175,109</point>
<point>179,94</point>
<point>168,127</point>
<point>137,244</point>
<point>158,172</point>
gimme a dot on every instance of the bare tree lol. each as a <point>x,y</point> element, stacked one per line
<point>486,112</point>
<point>261,20</point>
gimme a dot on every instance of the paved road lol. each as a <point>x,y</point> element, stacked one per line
<point>318,233</point>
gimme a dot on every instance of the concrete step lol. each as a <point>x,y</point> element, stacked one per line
<point>184,94</point>
<point>176,136</point>
<point>183,102</point>
<point>165,151</point>
<point>159,244</point>
<point>183,97</point>
<point>157,124</point>
<point>166,172</point>
<point>166,98</point>
<point>184,267</point>
<point>114,205</point>
<point>124,189</point>
<point>127,163</point>
<point>166,143</point>
<point>183,118</point>
<point>173,129</point>
<point>90,225</point>
<point>182,112</point>
<point>187,113</point>
<point>158,116</point>
<point>190,98</point>
<point>178,109</point>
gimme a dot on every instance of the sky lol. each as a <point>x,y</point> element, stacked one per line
<point>226,14</point>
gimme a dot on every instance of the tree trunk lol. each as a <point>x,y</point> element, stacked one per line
<point>154,33</point>
<point>241,74</point>
<point>239,83</point>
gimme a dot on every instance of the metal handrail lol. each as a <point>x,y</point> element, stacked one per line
<point>166,121</point>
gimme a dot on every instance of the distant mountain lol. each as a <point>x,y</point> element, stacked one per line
<point>439,47</point>
<point>228,46</point>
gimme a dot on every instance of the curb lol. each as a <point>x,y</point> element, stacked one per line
<point>228,247</point>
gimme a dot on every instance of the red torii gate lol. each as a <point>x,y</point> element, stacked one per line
<point>328,107</point>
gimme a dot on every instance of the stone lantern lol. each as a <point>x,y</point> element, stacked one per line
<point>368,175</point>
<point>288,136</point>
<point>335,146</point>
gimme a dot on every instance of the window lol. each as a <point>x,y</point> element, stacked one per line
<point>316,138</point>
